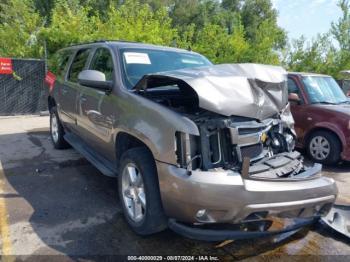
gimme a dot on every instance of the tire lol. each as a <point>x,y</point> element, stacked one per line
<point>328,142</point>
<point>140,163</point>
<point>57,131</point>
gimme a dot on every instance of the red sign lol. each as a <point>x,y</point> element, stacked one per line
<point>50,79</point>
<point>5,66</point>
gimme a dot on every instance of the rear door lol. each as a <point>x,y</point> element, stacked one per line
<point>96,115</point>
<point>59,66</point>
<point>70,90</point>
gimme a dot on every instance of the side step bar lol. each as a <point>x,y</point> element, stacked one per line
<point>103,165</point>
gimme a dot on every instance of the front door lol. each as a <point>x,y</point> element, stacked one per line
<point>96,115</point>
<point>299,111</point>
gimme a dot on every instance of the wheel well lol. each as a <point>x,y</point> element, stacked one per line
<point>124,142</point>
<point>51,103</point>
<point>325,130</point>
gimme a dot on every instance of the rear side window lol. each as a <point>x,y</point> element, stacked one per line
<point>102,61</point>
<point>78,64</point>
<point>59,62</point>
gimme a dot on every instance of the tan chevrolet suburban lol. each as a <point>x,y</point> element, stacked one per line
<point>207,150</point>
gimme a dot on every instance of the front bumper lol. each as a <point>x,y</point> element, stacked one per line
<point>223,196</point>
<point>221,235</point>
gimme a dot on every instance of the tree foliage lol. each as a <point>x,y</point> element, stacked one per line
<point>225,31</point>
<point>328,53</point>
<point>20,25</point>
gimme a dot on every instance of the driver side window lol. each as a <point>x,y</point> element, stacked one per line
<point>293,88</point>
<point>102,61</point>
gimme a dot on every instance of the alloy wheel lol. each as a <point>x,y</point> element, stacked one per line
<point>54,128</point>
<point>133,192</point>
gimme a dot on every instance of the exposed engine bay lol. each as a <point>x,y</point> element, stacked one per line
<point>243,116</point>
<point>228,142</point>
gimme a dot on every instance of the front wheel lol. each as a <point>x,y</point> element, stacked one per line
<point>324,147</point>
<point>139,192</point>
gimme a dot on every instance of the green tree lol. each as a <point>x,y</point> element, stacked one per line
<point>262,49</point>
<point>213,42</point>
<point>254,14</point>
<point>71,24</point>
<point>226,31</point>
<point>19,29</point>
<point>219,46</point>
<point>231,5</point>
<point>316,56</point>
<point>137,22</point>
<point>327,53</point>
<point>44,7</point>
<point>341,29</point>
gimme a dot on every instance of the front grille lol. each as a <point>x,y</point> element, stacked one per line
<point>250,130</point>
<point>252,151</point>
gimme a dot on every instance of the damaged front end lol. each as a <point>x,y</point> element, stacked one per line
<point>242,114</point>
<point>241,167</point>
<point>230,143</point>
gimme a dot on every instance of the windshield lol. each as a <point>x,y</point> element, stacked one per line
<point>323,89</point>
<point>140,62</point>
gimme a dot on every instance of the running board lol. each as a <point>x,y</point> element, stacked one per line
<point>103,165</point>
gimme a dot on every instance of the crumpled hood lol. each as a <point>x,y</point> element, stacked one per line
<point>248,90</point>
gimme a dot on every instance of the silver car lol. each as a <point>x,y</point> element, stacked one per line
<point>207,150</point>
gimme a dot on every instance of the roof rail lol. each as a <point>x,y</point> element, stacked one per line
<point>102,41</point>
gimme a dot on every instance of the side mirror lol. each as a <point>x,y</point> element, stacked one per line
<point>294,97</point>
<point>95,79</point>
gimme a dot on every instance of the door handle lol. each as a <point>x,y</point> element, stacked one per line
<point>82,99</point>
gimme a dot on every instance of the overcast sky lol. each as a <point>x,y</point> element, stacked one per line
<point>306,17</point>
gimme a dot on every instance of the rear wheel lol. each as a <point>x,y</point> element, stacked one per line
<point>139,192</point>
<point>324,147</point>
<point>57,131</point>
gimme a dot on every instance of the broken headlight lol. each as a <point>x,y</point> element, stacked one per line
<point>287,118</point>
<point>281,141</point>
<point>186,150</point>
<point>290,139</point>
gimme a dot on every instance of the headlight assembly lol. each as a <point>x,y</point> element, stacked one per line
<point>287,118</point>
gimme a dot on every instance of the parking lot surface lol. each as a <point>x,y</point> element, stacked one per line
<point>56,203</point>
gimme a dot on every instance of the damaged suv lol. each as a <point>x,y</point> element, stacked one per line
<point>207,150</point>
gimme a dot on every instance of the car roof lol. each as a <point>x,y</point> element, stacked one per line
<point>125,44</point>
<point>306,74</point>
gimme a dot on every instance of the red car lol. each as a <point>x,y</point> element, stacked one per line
<point>322,117</point>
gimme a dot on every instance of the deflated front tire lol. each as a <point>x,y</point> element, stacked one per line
<point>139,192</point>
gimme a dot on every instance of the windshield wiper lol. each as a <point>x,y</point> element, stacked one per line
<point>325,103</point>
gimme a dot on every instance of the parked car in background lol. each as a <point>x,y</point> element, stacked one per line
<point>322,116</point>
<point>192,144</point>
<point>345,82</point>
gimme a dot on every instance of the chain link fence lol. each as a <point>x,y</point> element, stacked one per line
<point>24,91</point>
